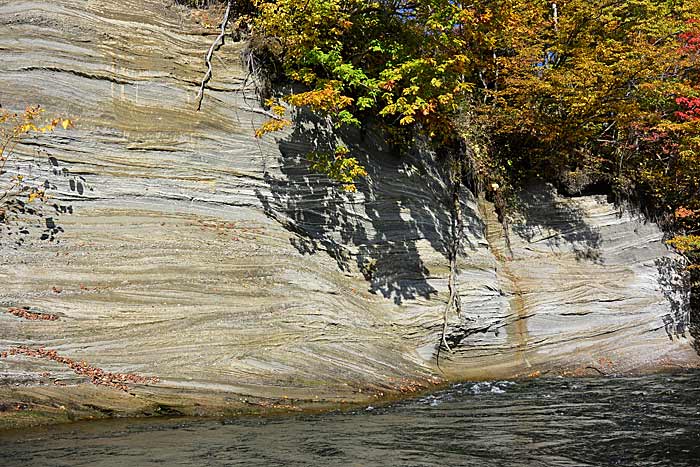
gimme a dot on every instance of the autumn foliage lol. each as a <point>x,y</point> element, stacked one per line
<point>578,93</point>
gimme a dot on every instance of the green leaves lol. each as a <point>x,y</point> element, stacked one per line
<point>338,167</point>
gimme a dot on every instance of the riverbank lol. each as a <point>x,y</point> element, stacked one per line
<point>540,422</point>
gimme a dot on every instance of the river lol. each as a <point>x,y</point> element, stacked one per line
<point>643,421</point>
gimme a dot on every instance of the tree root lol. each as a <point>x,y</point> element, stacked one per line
<point>218,42</point>
<point>453,302</point>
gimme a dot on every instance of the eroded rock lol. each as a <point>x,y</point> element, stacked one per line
<point>186,249</point>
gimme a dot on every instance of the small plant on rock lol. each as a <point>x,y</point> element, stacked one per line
<point>14,128</point>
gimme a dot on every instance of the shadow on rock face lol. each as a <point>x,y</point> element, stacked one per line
<point>21,220</point>
<point>675,287</point>
<point>682,290</point>
<point>694,309</point>
<point>401,204</point>
<point>558,223</point>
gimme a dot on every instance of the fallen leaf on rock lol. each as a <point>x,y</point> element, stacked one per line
<point>98,376</point>
<point>30,315</point>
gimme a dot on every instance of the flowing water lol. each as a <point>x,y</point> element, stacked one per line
<point>644,421</point>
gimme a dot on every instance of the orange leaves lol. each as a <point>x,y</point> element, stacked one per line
<point>327,99</point>
<point>606,89</point>
<point>98,376</point>
<point>388,85</point>
<point>685,213</point>
<point>24,313</point>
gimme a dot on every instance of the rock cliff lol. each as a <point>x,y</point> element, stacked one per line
<point>176,245</point>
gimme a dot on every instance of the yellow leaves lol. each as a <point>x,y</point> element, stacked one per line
<point>26,128</point>
<point>36,194</point>
<point>275,107</point>
<point>419,53</point>
<point>305,75</point>
<point>272,125</point>
<point>464,16</point>
<point>15,126</point>
<point>328,99</point>
<point>445,99</point>
<point>63,122</point>
<point>685,243</point>
<point>278,110</point>
<point>577,92</point>
<point>411,90</point>
<point>277,122</point>
<point>463,87</point>
<point>30,113</point>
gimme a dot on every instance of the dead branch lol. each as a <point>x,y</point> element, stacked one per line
<point>218,42</point>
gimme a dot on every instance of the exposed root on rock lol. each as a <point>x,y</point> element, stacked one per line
<point>218,42</point>
<point>453,301</point>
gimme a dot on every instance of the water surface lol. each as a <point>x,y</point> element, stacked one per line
<point>645,421</point>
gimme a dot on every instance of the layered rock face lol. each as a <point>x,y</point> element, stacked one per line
<point>176,245</point>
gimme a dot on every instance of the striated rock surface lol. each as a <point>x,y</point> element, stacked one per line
<point>178,246</point>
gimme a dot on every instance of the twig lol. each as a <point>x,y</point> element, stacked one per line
<point>264,112</point>
<point>218,42</point>
<point>596,369</point>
